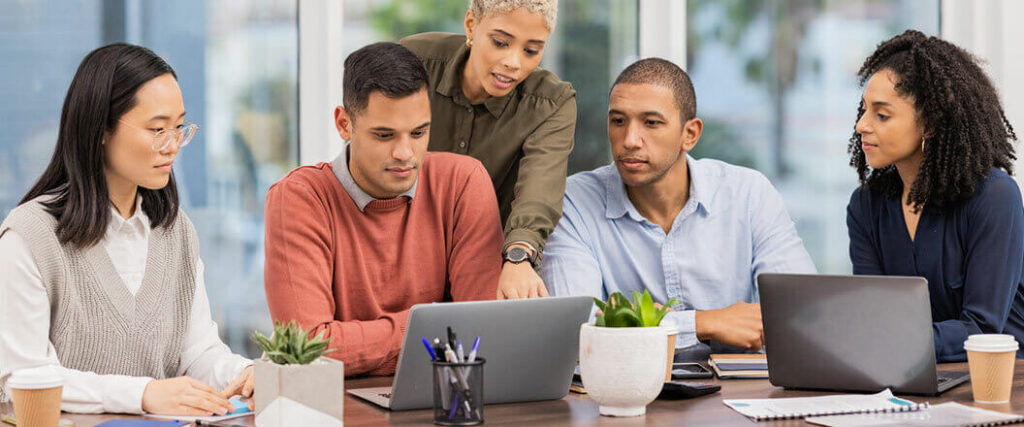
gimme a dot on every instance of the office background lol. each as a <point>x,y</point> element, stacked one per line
<point>774,79</point>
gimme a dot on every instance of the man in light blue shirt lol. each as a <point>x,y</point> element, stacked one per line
<point>698,231</point>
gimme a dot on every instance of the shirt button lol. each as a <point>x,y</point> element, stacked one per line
<point>462,144</point>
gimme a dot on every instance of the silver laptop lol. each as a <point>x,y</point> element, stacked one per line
<point>531,347</point>
<point>851,333</point>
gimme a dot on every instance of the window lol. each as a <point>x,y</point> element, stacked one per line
<point>777,91</point>
<point>237,65</point>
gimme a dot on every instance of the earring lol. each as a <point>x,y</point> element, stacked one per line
<point>469,42</point>
<point>922,144</point>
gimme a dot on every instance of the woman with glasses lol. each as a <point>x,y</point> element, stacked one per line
<point>934,154</point>
<point>490,100</point>
<point>101,272</point>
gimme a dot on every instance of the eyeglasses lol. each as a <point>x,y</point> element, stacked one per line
<point>163,138</point>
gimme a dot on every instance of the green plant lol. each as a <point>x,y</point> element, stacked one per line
<point>618,312</point>
<point>291,345</point>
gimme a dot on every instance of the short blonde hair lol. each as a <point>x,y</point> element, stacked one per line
<point>546,8</point>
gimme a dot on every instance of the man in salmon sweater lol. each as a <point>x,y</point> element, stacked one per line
<point>351,245</point>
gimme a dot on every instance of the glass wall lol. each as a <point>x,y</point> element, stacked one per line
<point>592,42</point>
<point>237,65</point>
<point>777,91</point>
<point>775,85</point>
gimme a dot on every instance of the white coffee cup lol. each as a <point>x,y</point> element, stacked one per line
<point>37,395</point>
<point>990,358</point>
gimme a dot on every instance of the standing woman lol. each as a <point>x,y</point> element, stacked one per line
<point>490,101</point>
<point>934,152</point>
<point>101,270</point>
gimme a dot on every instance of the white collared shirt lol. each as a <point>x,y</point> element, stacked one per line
<point>24,323</point>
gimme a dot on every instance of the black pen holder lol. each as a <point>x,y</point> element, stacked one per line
<point>459,393</point>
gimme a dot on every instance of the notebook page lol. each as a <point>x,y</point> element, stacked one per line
<point>799,407</point>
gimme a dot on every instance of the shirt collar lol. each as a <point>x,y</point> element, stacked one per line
<point>360,197</point>
<point>450,84</point>
<point>701,188</point>
<point>139,221</point>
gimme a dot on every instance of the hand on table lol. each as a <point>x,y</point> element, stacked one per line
<point>183,396</point>
<point>242,386</point>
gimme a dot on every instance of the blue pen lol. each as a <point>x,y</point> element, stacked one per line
<point>455,407</point>
<point>472,353</point>
<point>426,343</point>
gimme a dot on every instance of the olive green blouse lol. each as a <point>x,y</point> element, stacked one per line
<point>523,139</point>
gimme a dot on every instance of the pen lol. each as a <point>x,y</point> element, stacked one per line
<point>461,379</point>
<point>438,349</point>
<point>451,337</point>
<point>458,351</point>
<point>455,407</point>
<point>433,356</point>
<point>216,424</point>
<point>472,353</point>
<point>439,355</point>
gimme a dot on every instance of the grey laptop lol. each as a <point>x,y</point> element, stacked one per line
<point>531,347</point>
<point>851,333</point>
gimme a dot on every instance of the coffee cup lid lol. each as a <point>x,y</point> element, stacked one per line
<point>991,343</point>
<point>35,378</point>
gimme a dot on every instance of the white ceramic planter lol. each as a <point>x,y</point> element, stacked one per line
<point>307,395</point>
<point>623,369</point>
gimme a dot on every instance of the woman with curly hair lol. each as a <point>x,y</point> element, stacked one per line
<point>934,153</point>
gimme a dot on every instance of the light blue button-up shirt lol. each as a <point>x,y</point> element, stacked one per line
<point>733,227</point>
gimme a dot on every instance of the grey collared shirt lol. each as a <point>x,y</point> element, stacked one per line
<point>340,166</point>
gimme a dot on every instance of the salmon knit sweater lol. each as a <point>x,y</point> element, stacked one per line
<point>355,274</point>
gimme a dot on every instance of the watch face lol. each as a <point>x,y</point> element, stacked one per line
<point>516,254</point>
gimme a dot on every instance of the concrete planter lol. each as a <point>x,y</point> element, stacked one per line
<point>623,369</point>
<point>290,395</point>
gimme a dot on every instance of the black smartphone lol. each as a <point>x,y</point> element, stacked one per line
<point>690,370</point>
<point>674,390</point>
<point>576,385</point>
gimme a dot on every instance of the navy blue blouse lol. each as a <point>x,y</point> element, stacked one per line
<point>972,256</point>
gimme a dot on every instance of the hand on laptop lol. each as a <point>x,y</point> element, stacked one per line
<point>738,325</point>
<point>520,281</point>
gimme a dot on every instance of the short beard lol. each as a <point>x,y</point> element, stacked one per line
<point>658,173</point>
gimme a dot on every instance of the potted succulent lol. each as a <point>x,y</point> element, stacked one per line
<point>294,384</point>
<point>623,355</point>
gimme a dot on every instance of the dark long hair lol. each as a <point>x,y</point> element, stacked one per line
<point>967,131</point>
<point>102,90</point>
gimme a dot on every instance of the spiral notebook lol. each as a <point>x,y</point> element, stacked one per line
<point>840,404</point>
<point>942,415</point>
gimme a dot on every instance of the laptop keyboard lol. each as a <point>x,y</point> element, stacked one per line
<point>388,395</point>
<point>948,376</point>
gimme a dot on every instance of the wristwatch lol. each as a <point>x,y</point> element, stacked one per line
<point>516,255</point>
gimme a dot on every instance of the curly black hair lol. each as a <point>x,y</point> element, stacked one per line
<point>967,131</point>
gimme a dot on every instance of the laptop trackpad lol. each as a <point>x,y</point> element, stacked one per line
<point>380,396</point>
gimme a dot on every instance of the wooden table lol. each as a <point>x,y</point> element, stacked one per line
<point>578,410</point>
